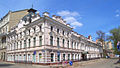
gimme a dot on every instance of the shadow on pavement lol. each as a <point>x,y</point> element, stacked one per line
<point>5,65</point>
<point>117,67</point>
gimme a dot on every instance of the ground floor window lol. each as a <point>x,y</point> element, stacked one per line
<point>34,58</point>
<point>68,56</point>
<point>72,56</point>
<point>40,57</point>
<point>58,57</point>
<point>28,57</point>
<point>63,57</point>
<point>52,57</point>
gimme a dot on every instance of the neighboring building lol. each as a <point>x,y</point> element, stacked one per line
<point>109,48</point>
<point>6,23</point>
<point>109,45</point>
<point>41,39</point>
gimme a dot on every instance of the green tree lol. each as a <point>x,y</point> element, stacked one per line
<point>115,37</point>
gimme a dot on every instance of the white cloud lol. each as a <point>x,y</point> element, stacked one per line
<point>68,13</point>
<point>71,18</point>
<point>117,13</point>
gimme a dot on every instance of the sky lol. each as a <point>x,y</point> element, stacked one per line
<point>85,16</point>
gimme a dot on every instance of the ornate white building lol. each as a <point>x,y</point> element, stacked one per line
<point>41,39</point>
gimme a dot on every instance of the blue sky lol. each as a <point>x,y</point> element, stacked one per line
<point>86,16</point>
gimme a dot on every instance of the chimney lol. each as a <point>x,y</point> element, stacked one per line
<point>37,13</point>
<point>89,37</point>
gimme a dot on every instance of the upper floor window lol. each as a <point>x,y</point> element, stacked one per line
<point>51,40</point>
<point>68,43</point>
<point>72,44</point>
<point>75,45</point>
<point>24,43</point>
<point>34,40</point>
<point>21,34</point>
<point>40,40</point>
<point>14,46</point>
<point>51,28</point>
<point>20,44</point>
<point>67,33</point>
<point>17,45</point>
<point>63,32</point>
<point>58,42</point>
<point>34,29</point>
<point>57,30</point>
<point>40,28</point>
<point>29,31</point>
<point>29,42</point>
<point>63,42</point>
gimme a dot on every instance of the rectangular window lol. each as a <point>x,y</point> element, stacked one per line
<point>40,57</point>
<point>58,57</point>
<point>34,40</point>
<point>67,33</point>
<point>68,56</point>
<point>40,40</point>
<point>63,57</point>
<point>20,44</point>
<point>51,40</point>
<point>68,44</point>
<point>24,43</point>
<point>21,34</point>
<point>72,44</point>
<point>51,28</point>
<point>58,42</point>
<point>52,57</point>
<point>14,46</point>
<point>34,29</point>
<point>29,42</point>
<point>63,32</point>
<point>40,28</point>
<point>63,42</point>
<point>17,45</point>
<point>75,45</point>
<point>29,31</point>
<point>57,30</point>
<point>72,56</point>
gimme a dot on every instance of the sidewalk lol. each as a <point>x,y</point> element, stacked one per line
<point>75,64</point>
<point>83,63</point>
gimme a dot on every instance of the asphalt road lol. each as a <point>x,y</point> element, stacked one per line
<point>16,65</point>
<point>102,63</point>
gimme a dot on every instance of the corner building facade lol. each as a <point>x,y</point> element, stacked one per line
<point>45,40</point>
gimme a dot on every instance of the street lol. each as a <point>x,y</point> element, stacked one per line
<point>99,63</point>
